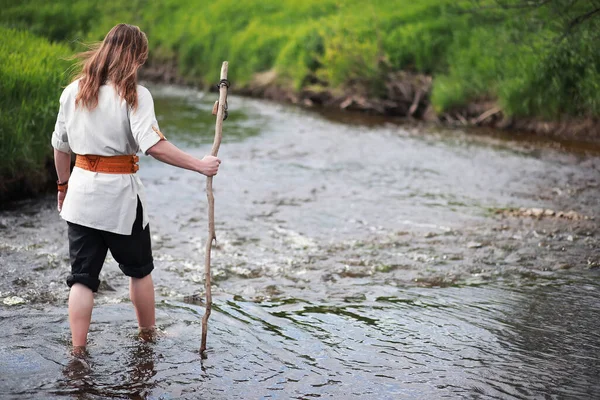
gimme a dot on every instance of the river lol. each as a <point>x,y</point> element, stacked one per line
<point>356,258</point>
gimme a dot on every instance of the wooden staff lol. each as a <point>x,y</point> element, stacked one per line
<point>221,112</point>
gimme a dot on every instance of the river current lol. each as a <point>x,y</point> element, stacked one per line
<point>356,258</point>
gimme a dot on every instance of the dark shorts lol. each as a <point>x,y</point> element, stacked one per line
<point>88,248</point>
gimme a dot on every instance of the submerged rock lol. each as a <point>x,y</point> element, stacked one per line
<point>13,301</point>
<point>474,245</point>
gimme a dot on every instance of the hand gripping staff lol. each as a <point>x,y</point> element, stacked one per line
<point>220,109</point>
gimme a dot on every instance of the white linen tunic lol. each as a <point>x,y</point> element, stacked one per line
<point>98,200</point>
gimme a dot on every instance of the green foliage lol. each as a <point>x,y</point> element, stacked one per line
<point>483,61</point>
<point>565,81</point>
<point>32,75</point>
<point>350,57</point>
<point>302,55</point>
<point>55,20</point>
<point>417,35</point>
<point>510,51</point>
<point>532,60</point>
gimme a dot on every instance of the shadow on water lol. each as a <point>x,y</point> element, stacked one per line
<point>354,260</point>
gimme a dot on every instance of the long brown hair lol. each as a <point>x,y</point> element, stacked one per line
<point>116,59</point>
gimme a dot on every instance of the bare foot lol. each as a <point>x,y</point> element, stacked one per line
<point>79,352</point>
<point>78,366</point>
<point>149,334</point>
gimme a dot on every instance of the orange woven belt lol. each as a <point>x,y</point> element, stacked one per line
<point>108,165</point>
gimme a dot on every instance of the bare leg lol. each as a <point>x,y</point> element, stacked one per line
<point>81,302</point>
<point>141,293</point>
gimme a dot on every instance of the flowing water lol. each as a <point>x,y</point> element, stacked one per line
<point>356,258</point>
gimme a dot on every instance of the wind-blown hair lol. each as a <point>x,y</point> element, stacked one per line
<point>116,59</point>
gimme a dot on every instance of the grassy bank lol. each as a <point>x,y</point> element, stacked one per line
<point>522,57</point>
<point>530,61</point>
<point>32,74</point>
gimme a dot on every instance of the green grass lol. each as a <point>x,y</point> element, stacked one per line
<point>32,75</point>
<point>519,58</point>
<point>514,56</point>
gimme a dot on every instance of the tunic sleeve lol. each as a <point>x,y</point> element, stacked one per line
<point>60,140</point>
<point>143,123</point>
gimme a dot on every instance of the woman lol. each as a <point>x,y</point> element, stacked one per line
<point>105,118</point>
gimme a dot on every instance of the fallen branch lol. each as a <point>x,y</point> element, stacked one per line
<point>487,114</point>
<point>462,119</point>
<point>415,103</point>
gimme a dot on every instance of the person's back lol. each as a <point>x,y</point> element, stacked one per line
<point>105,130</point>
<point>112,128</point>
<point>105,118</point>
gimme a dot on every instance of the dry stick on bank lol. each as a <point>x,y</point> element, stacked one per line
<point>221,111</point>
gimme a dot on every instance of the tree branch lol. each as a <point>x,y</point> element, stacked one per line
<point>582,18</point>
